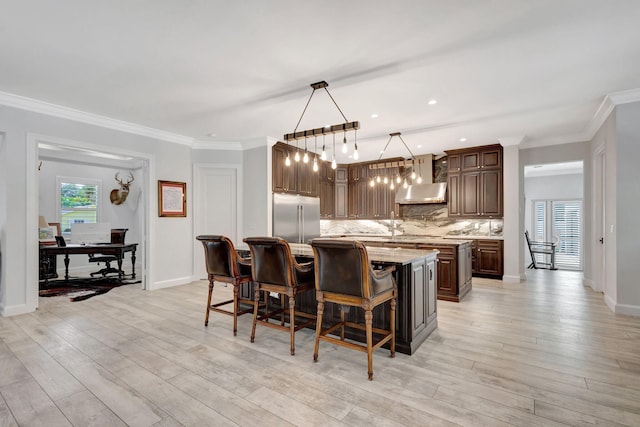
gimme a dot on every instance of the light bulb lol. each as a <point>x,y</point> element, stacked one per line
<point>315,164</point>
<point>305,158</point>
<point>405,184</point>
<point>356,156</point>
<point>419,180</point>
<point>372,182</point>
<point>296,157</point>
<point>344,146</point>
<point>323,155</point>
<point>391,186</point>
<point>385,180</point>
<point>413,175</point>
<point>398,179</point>
<point>287,161</point>
<point>378,178</point>
<point>333,163</point>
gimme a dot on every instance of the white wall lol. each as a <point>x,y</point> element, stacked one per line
<point>3,217</point>
<point>257,191</point>
<point>626,227</point>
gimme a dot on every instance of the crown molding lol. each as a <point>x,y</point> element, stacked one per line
<point>42,107</point>
<point>216,145</point>
<point>625,96</point>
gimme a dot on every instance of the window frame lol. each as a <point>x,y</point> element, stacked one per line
<point>79,181</point>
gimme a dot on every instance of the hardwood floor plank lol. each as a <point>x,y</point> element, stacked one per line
<point>569,417</point>
<point>84,409</point>
<point>31,406</point>
<point>6,417</point>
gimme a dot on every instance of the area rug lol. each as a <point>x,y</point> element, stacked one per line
<point>82,289</point>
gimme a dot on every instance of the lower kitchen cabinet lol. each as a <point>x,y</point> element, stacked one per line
<point>454,270</point>
<point>488,258</point>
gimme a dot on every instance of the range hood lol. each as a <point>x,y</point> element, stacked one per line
<point>426,192</point>
<point>422,193</point>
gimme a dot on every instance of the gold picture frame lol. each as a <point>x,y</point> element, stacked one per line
<point>172,199</point>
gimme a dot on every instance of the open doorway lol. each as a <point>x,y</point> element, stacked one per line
<point>554,210</point>
<point>67,161</point>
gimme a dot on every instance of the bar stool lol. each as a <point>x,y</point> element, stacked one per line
<point>225,265</point>
<point>274,269</point>
<point>344,276</point>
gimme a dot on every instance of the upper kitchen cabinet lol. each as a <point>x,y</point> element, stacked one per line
<point>297,178</point>
<point>357,189</point>
<point>327,190</point>
<point>475,182</point>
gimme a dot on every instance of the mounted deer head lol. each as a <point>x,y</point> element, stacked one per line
<point>118,196</point>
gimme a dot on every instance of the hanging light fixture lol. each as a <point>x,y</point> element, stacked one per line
<point>332,129</point>
<point>305,158</point>
<point>356,156</point>
<point>315,156</point>
<point>323,155</point>
<point>333,162</point>
<point>398,178</point>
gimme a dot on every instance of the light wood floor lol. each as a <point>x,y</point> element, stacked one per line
<point>543,352</point>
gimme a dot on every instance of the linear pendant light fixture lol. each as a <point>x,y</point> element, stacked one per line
<point>345,127</point>
<point>398,179</point>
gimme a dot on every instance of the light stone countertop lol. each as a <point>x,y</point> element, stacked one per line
<point>390,255</point>
<point>417,239</point>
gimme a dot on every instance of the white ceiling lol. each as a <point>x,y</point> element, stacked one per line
<point>501,70</point>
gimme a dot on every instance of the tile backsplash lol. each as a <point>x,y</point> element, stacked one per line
<point>427,220</point>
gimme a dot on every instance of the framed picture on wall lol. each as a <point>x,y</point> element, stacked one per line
<point>172,199</point>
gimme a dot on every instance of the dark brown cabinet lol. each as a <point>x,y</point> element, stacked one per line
<point>488,258</point>
<point>454,270</point>
<point>341,193</point>
<point>358,191</point>
<point>327,191</point>
<point>297,178</point>
<point>475,182</point>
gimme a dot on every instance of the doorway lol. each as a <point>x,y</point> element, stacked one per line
<point>554,208</point>
<point>84,156</point>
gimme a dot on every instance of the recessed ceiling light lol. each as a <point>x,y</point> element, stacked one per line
<point>419,145</point>
<point>211,135</point>
<point>374,116</point>
<point>432,102</point>
<point>463,139</point>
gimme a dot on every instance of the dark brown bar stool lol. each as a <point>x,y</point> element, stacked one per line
<point>344,276</point>
<point>274,269</point>
<point>225,265</point>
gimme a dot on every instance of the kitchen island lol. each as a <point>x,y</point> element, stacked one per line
<point>454,261</point>
<point>416,309</point>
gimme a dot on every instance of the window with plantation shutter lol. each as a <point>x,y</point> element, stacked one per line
<point>78,201</point>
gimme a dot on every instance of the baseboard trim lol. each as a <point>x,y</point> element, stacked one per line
<point>513,279</point>
<point>15,310</point>
<point>629,310</point>
<point>610,303</point>
<point>169,283</point>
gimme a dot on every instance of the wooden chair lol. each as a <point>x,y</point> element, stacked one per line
<point>344,276</point>
<point>545,248</point>
<point>274,269</point>
<point>117,237</point>
<point>225,265</point>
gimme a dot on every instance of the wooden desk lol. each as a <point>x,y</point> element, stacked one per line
<point>115,249</point>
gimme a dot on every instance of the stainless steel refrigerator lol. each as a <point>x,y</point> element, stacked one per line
<point>296,218</point>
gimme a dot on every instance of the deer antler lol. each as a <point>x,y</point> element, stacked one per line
<point>129,181</point>
<point>132,178</point>
<point>118,180</point>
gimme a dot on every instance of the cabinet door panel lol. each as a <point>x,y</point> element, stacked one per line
<point>454,194</point>
<point>491,158</point>
<point>491,195</point>
<point>419,287</point>
<point>469,194</point>
<point>470,161</point>
<point>341,200</point>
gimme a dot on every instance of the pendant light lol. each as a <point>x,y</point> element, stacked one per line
<point>356,156</point>
<point>333,161</point>
<point>323,155</point>
<point>315,156</point>
<point>305,158</point>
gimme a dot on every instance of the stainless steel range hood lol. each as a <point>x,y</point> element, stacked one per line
<point>426,192</point>
<point>422,193</point>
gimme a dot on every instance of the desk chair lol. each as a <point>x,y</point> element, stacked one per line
<point>225,265</point>
<point>545,248</point>
<point>274,269</point>
<point>344,276</point>
<point>117,237</point>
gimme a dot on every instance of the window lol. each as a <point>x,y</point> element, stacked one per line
<point>560,221</point>
<point>78,201</point>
